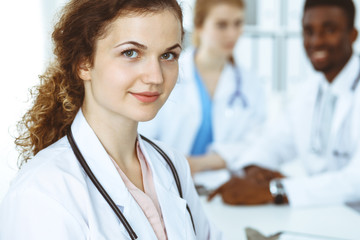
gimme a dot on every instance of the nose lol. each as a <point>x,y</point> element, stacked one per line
<point>234,32</point>
<point>153,72</point>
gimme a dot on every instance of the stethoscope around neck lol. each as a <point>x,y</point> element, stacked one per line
<point>106,196</point>
<point>317,146</point>
<point>238,90</point>
<point>237,94</point>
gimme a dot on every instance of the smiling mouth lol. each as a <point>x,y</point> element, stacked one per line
<point>229,46</point>
<point>146,97</point>
<point>319,55</point>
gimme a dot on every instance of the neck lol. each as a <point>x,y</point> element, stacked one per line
<point>116,134</point>
<point>208,60</point>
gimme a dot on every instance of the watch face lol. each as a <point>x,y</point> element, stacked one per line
<point>279,199</point>
<point>277,191</point>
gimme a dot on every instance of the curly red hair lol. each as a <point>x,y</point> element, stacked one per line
<point>60,93</point>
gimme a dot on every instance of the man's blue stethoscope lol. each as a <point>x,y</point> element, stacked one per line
<point>106,196</point>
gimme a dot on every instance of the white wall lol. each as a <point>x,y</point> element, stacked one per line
<point>21,60</point>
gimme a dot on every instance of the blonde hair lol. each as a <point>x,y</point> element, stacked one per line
<point>201,11</point>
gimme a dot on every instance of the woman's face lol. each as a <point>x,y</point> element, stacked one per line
<point>135,67</point>
<point>222,28</point>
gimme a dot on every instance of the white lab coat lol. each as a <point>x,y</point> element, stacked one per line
<point>234,126</point>
<point>329,179</point>
<point>52,198</point>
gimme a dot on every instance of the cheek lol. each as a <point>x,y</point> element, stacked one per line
<point>239,32</point>
<point>171,76</point>
<point>305,43</point>
<point>215,38</point>
<point>345,44</point>
<point>211,36</point>
<point>110,82</point>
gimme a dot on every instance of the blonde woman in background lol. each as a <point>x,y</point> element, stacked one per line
<point>217,107</point>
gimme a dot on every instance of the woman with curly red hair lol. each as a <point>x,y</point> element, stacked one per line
<point>86,173</point>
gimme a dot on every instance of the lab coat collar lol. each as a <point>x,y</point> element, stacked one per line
<point>344,80</point>
<point>157,164</point>
<point>99,160</point>
<point>103,168</point>
<point>167,192</point>
<point>341,87</point>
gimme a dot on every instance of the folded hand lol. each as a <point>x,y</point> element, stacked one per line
<point>250,190</point>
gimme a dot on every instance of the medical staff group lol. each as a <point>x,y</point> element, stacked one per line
<point>89,172</point>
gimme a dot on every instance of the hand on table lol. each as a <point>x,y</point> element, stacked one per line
<point>250,190</point>
<point>261,175</point>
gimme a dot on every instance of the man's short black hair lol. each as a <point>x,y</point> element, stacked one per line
<point>347,5</point>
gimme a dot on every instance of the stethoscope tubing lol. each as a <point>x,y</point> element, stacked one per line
<point>106,196</point>
<point>238,90</point>
<point>238,84</point>
<point>353,87</point>
<point>174,172</point>
<point>99,187</point>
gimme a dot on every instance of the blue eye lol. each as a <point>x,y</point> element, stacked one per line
<point>130,53</point>
<point>168,56</point>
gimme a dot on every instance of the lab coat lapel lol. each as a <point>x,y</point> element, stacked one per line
<point>342,88</point>
<point>167,192</point>
<point>341,112</point>
<point>103,169</point>
<point>232,114</point>
<point>171,203</point>
<point>98,160</point>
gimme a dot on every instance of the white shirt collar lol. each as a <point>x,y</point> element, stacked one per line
<point>345,79</point>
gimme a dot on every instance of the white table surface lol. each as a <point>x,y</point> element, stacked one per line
<point>332,221</point>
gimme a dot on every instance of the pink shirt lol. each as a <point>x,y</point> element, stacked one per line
<point>147,200</point>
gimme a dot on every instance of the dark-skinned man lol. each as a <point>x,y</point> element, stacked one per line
<point>320,128</point>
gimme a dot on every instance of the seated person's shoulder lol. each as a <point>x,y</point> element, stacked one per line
<point>52,171</point>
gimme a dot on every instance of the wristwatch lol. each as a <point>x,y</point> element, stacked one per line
<point>277,190</point>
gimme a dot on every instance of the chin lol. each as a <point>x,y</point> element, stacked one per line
<point>146,116</point>
<point>228,54</point>
<point>319,68</point>
<point>145,119</point>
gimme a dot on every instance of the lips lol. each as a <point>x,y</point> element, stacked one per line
<point>146,97</point>
<point>229,45</point>
<point>319,56</point>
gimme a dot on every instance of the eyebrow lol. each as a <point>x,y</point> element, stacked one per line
<point>330,24</point>
<point>173,47</point>
<point>141,46</point>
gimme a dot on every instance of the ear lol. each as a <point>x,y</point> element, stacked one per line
<point>354,35</point>
<point>84,70</point>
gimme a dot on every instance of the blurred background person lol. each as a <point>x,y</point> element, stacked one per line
<point>217,107</point>
<point>321,126</point>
